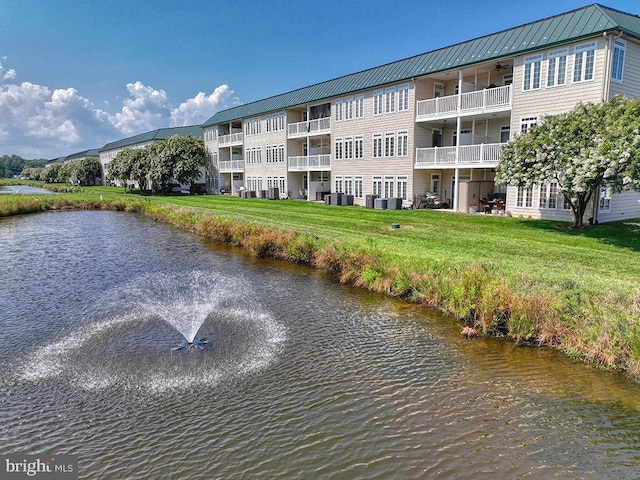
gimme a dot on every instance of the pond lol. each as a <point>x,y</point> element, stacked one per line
<point>24,190</point>
<point>300,377</point>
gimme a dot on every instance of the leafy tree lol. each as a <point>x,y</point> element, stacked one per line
<point>190,156</point>
<point>88,170</point>
<point>120,167</point>
<point>50,174</point>
<point>140,165</point>
<point>592,145</point>
<point>160,164</point>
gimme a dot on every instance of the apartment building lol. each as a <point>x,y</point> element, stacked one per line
<point>108,152</point>
<point>435,123</point>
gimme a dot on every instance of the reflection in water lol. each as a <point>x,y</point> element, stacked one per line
<point>304,378</point>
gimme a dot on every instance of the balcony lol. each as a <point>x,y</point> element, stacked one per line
<point>488,100</point>
<point>231,166</point>
<point>310,163</point>
<point>319,126</point>
<point>230,140</point>
<point>480,155</point>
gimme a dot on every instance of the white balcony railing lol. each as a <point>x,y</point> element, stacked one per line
<point>488,99</point>
<point>311,162</point>
<point>229,140</point>
<point>319,126</point>
<point>229,166</point>
<point>483,154</point>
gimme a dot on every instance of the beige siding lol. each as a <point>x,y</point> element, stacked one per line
<point>630,84</point>
<point>624,206</point>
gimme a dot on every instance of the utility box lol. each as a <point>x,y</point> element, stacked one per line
<point>380,203</point>
<point>369,200</point>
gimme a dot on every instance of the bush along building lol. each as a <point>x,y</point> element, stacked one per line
<point>429,129</point>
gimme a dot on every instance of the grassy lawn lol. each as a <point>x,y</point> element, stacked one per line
<point>529,280</point>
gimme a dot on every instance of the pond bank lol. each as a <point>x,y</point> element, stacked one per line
<point>603,330</point>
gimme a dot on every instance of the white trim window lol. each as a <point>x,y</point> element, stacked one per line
<point>401,186</point>
<point>378,102</point>
<point>532,69</point>
<point>338,150</point>
<point>617,66</point>
<point>604,203</point>
<point>359,106</point>
<point>584,62</point>
<point>338,106</point>
<point>377,145</point>
<point>339,185</point>
<point>524,198</point>
<point>389,144</point>
<point>505,133</point>
<point>527,122</point>
<point>252,127</point>
<point>348,108</point>
<point>403,143</point>
<point>275,153</point>
<point>254,155</point>
<point>403,98</point>
<point>557,73</point>
<point>358,147</point>
<point>376,185</point>
<point>348,185</point>
<point>348,148</point>
<point>390,100</point>
<point>388,186</point>
<point>357,187</point>
<point>549,196</point>
<point>275,123</point>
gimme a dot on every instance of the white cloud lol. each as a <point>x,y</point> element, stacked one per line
<point>199,108</point>
<point>36,122</point>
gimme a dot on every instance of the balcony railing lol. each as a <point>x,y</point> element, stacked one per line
<point>319,126</point>
<point>311,162</point>
<point>488,99</point>
<point>229,166</point>
<point>483,154</point>
<point>230,140</point>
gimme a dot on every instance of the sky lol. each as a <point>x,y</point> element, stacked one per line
<point>77,74</point>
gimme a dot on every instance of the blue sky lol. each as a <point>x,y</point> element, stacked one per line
<point>76,74</point>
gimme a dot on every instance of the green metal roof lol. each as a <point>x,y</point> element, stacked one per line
<point>573,25</point>
<point>94,152</point>
<point>159,134</point>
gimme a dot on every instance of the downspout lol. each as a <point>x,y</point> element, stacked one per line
<point>458,128</point>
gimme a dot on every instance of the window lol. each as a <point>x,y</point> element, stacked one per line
<point>359,106</point>
<point>358,151</point>
<point>254,155</point>
<point>527,122</point>
<point>604,205</point>
<point>436,138</point>
<point>549,196</point>
<point>557,74</point>
<point>252,127</point>
<point>348,148</point>
<point>376,185</point>
<point>348,109</point>
<point>348,185</point>
<point>619,48</point>
<point>389,144</point>
<point>275,123</point>
<point>338,107</point>
<point>505,133</point>
<point>401,187</point>
<point>357,187</point>
<point>254,183</point>
<point>338,187</point>
<point>435,183</point>
<point>338,152</point>
<point>390,100</point>
<point>275,153</point>
<point>403,98</point>
<point>388,186</point>
<point>525,197</point>
<point>403,144</point>
<point>438,90</point>
<point>378,102</point>
<point>377,146</point>
<point>532,66</point>
<point>584,62</point>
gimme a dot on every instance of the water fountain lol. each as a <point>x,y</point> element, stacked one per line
<point>216,316</point>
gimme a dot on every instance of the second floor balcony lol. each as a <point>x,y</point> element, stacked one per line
<point>230,166</point>
<point>230,140</point>
<point>481,155</point>
<point>319,126</point>
<point>488,100</point>
<point>310,163</point>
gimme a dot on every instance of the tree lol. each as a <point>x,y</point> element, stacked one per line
<point>88,170</point>
<point>120,167</point>
<point>140,166</point>
<point>592,145</point>
<point>189,155</point>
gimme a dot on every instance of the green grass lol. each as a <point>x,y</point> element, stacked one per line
<point>529,280</point>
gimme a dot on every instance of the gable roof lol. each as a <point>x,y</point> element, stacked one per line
<point>573,25</point>
<point>159,134</point>
<point>94,152</point>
